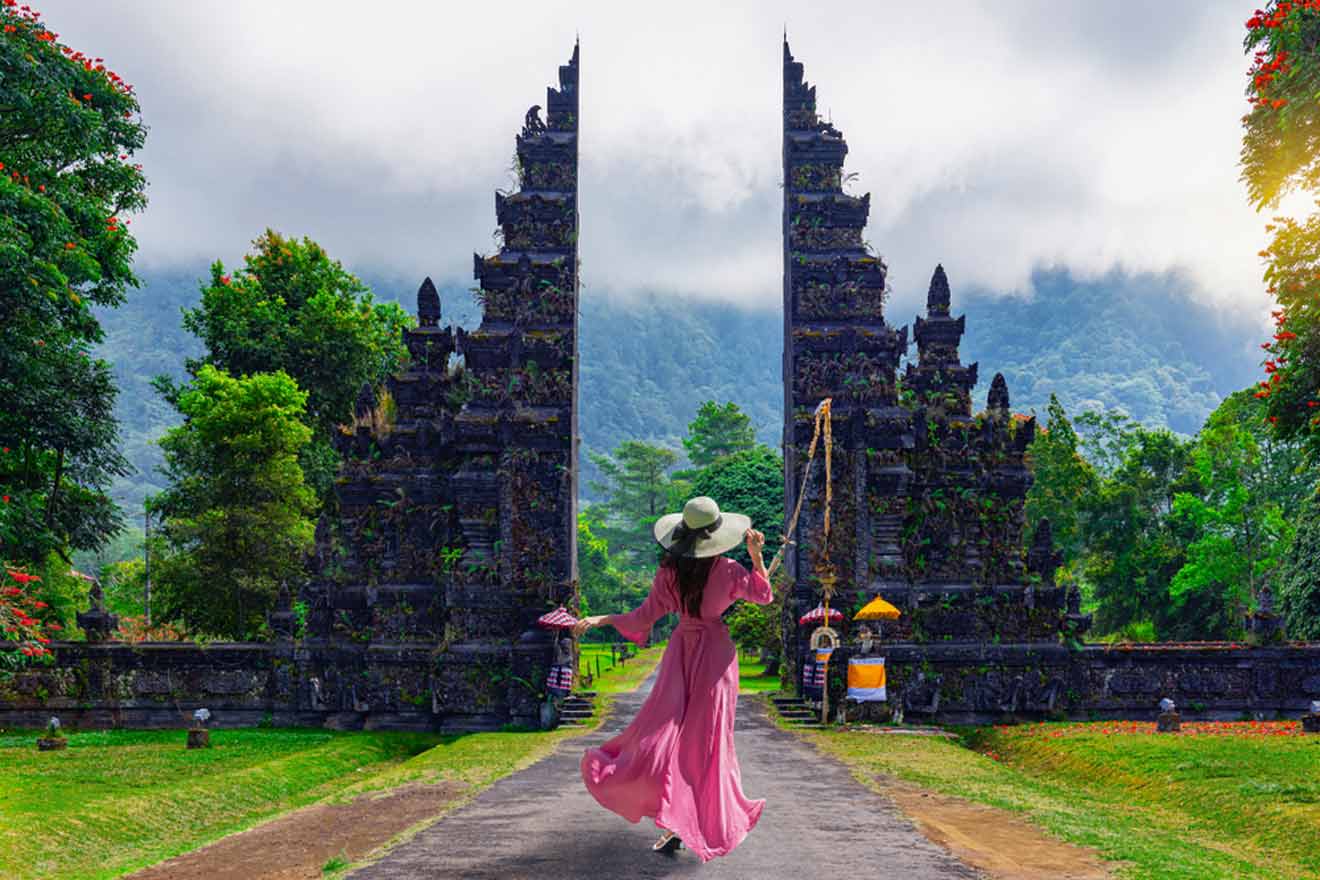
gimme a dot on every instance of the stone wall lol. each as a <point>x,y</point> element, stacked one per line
<point>147,685</point>
<point>966,683</point>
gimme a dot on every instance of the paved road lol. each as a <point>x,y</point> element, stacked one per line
<point>542,823</point>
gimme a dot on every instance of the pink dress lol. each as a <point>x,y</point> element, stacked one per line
<point>675,761</point>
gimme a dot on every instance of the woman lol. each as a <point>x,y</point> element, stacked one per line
<point>675,762</point>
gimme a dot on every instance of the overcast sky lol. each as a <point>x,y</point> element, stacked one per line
<point>993,136</point>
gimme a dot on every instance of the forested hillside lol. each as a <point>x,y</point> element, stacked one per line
<point>1134,342</point>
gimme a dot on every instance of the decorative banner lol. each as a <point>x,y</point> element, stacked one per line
<point>813,677</point>
<point>813,672</point>
<point>560,680</point>
<point>822,660</point>
<point>866,679</point>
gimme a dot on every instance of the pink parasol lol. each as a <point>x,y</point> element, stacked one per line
<point>557,619</point>
<point>817,615</point>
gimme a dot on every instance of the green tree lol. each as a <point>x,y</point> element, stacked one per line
<point>1250,486</point>
<point>124,586</point>
<point>716,432</point>
<point>638,491</point>
<point>68,130</point>
<point>752,482</point>
<point>1298,579</point>
<point>237,518</point>
<point>1281,154</point>
<point>1105,437</point>
<point>755,629</point>
<point>1133,548</point>
<point>1239,528</point>
<point>293,309</point>
<point>1062,476</point>
<point>1281,134</point>
<point>605,587</point>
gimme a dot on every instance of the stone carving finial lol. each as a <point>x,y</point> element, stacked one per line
<point>428,305</point>
<point>1265,599</point>
<point>1263,625</point>
<point>938,298</point>
<point>96,622</point>
<point>532,124</point>
<point>1042,558</point>
<point>996,402</point>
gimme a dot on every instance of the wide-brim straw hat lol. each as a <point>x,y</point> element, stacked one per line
<point>701,529</point>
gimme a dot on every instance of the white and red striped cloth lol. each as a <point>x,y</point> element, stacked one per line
<point>557,619</point>
<point>560,680</point>
<point>817,614</point>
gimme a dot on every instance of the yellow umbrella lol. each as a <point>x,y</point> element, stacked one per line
<point>877,609</point>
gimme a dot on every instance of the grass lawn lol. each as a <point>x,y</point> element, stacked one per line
<point>752,678</point>
<point>1226,801</point>
<point>624,676</point>
<point>119,800</point>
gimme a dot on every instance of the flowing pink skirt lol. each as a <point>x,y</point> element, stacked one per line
<point>675,762</point>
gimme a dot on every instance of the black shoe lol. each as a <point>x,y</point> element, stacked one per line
<point>668,843</point>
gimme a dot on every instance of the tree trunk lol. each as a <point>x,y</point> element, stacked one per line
<point>54,488</point>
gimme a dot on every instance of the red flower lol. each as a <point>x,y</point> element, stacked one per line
<point>1274,420</point>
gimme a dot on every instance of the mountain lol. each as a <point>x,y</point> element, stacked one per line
<point>1138,342</point>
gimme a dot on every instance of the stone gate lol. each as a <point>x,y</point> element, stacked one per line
<point>454,518</point>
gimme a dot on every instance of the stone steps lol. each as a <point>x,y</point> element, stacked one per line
<point>797,713</point>
<point>577,708</point>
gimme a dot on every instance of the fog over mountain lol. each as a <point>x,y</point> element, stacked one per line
<point>1140,343</point>
<point>1020,134</point>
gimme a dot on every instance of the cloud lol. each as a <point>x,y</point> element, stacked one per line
<point>996,137</point>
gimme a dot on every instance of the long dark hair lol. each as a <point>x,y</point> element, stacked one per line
<point>691,574</point>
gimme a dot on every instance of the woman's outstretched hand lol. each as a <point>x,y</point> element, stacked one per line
<point>755,544</point>
<point>587,623</point>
